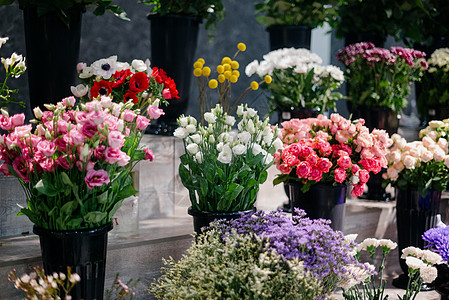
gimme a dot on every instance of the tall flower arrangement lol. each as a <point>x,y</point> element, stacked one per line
<point>329,151</point>
<point>422,164</point>
<point>381,77</point>
<point>299,79</point>
<point>74,167</point>
<point>222,168</point>
<point>434,92</point>
<point>14,68</point>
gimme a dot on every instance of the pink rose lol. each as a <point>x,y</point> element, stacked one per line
<point>312,159</point>
<point>69,101</point>
<point>363,176</point>
<point>303,169</point>
<point>355,168</point>
<point>96,117</point>
<point>289,159</point>
<point>96,178</point>
<point>357,190</point>
<point>5,123</point>
<point>155,112</point>
<point>17,120</point>
<point>116,139</point>
<point>315,174</point>
<point>284,168</point>
<point>344,162</point>
<point>142,122</point>
<point>47,148</point>
<point>340,175</point>
<point>166,93</point>
<point>63,126</point>
<point>324,165</point>
<point>128,115</point>
<point>148,154</point>
<point>371,165</point>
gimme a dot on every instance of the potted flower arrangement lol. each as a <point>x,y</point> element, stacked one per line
<point>75,171</point>
<point>52,37</point>
<point>260,256</point>
<point>290,22</point>
<point>314,84</point>
<point>433,95</point>
<point>174,35</point>
<point>321,156</point>
<point>14,68</point>
<point>419,171</point>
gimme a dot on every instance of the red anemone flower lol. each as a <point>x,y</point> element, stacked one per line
<point>100,88</point>
<point>131,96</point>
<point>139,82</point>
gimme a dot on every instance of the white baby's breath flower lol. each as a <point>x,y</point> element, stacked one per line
<point>105,67</point>
<point>180,133</point>
<point>80,90</point>
<point>239,149</point>
<point>210,118</point>
<point>225,156</point>
<point>428,273</point>
<point>192,148</point>
<point>414,263</point>
<point>387,243</point>
<point>411,251</point>
<point>139,65</point>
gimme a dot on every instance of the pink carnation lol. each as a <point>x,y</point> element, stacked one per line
<point>96,178</point>
<point>363,176</point>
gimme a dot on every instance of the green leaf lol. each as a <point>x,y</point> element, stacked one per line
<point>126,192</point>
<point>46,188</point>
<point>263,177</point>
<point>68,208</point>
<point>65,178</point>
<point>115,208</point>
<point>74,223</point>
<point>252,182</point>
<point>103,198</point>
<point>95,217</point>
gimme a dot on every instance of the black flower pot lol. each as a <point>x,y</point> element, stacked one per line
<point>52,49</point>
<point>173,45</point>
<point>288,36</point>
<point>415,214</point>
<point>380,118</point>
<point>321,201</point>
<point>204,218</point>
<point>83,250</point>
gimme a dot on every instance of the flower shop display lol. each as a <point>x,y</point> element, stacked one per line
<point>322,155</point>
<point>222,168</point>
<point>75,171</point>
<point>290,22</point>
<point>378,86</point>
<point>52,37</point>
<point>260,256</point>
<point>433,95</point>
<point>419,172</point>
<point>301,85</point>
<point>14,68</point>
<point>174,35</point>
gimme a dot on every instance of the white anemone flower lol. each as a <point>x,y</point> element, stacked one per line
<point>80,90</point>
<point>105,67</point>
<point>139,65</point>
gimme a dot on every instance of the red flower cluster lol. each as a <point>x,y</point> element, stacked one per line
<point>170,90</point>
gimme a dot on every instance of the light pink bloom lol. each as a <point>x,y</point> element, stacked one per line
<point>344,162</point>
<point>63,126</point>
<point>128,115</point>
<point>142,122</point>
<point>93,105</point>
<point>22,131</point>
<point>96,178</point>
<point>96,117</point>
<point>112,156</point>
<point>155,112</point>
<point>80,66</point>
<point>81,117</point>
<point>4,169</point>
<point>48,164</point>
<point>69,101</point>
<point>5,123</point>
<point>47,147</point>
<point>17,120</point>
<point>148,154</point>
<point>116,139</point>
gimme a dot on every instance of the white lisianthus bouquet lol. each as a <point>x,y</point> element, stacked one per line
<point>422,164</point>
<point>14,67</point>
<point>434,91</point>
<point>222,168</point>
<point>299,79</point>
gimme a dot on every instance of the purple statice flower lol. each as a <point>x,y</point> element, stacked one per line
<point>438,238</point>
<point>325,252</point>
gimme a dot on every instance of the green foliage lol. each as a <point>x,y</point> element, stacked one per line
<point>236,267</point>
<point>296,12</point>
<point>14,68</point>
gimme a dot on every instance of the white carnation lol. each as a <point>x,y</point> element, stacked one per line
<point>431,257</point>
<point>251,68</point>
<point>411,251</point>
<point>414,263</point>
<point>367,243</point>
<point>428,273</point>
<point>387,243</point>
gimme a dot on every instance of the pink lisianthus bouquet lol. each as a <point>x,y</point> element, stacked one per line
<point>381,77</point>
<point>422,164</point>
<point>329,151</point>
<point>75,165</point>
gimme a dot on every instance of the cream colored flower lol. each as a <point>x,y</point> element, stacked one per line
<point>431,257</point>
<point>80,90</point>
<point>428,273</point>
<point>3,40</point>
<point>367,243</point>
<point>414,263</point>
<point>411,251</point>
<point>387,243</point>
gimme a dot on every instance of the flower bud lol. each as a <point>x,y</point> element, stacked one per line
<point>37,113</point>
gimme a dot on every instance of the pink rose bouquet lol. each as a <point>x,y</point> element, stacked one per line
<point>381,77</point>
<point>422,164</point>
<point>75,165</point>
<point>330,150</point>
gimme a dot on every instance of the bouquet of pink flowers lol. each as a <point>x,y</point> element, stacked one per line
<point>75,166</point>
<point>330,150</point>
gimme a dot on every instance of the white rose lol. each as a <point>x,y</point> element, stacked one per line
<point>225,156</point>
<point>183,121</point>
<point>191,128</point>
<point>442,142</point>
<point>426,156</point>
<point>180,133</point>
<point>239,149</point>
<point>139,65</point>
<point>427,141</point>
<point>392,173</point>
<point>435,124</point>
<point>210,118</point>
<point>192,148</point>
<point>439,154</point>
<point>410,162</point>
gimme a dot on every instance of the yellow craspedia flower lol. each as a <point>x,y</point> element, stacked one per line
<point>198,65</point>
<point>227,74</point>
<point>213,83</point>
<point>233,78</point>
<point>227,67</point>
<point>206,71</point>
<point>221,78</point>
<point>234,64</point>
<point>201,60</point>
<point>197,72</point>
<point>236,73</point>
<point>254,85</point>
<point>268,79</point>
<point>225,60</point>
<point>241,46</point>
<point>220,69</point>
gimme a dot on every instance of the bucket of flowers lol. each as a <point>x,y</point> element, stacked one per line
<point>75,170</point>
<point>321,156</point>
